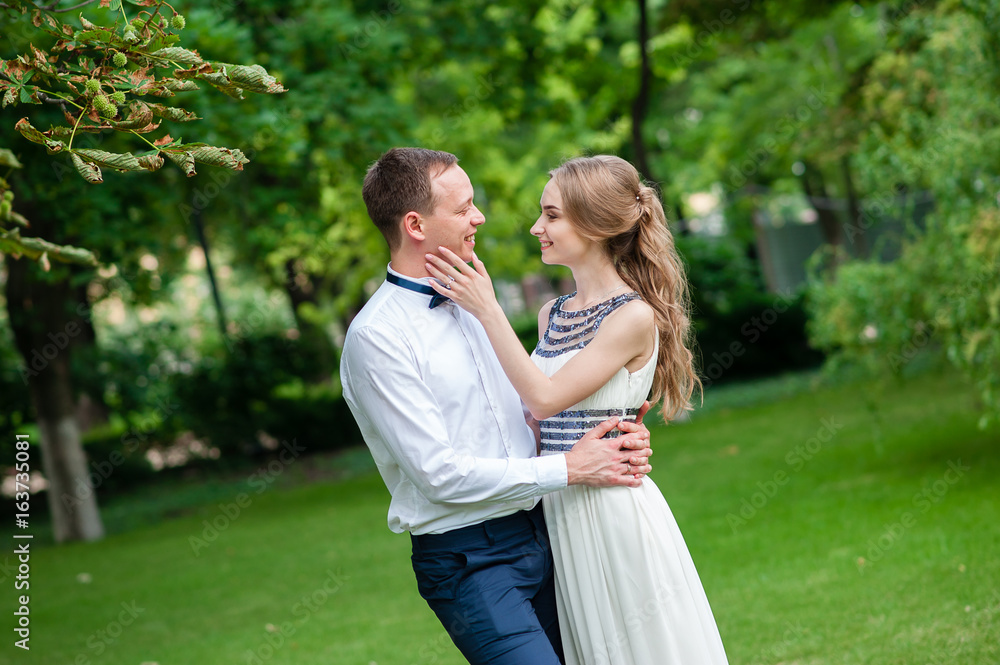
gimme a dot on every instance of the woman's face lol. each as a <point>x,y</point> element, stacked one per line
<point>561,244</point>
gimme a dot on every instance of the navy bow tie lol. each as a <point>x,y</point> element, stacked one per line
<point>436,298</point>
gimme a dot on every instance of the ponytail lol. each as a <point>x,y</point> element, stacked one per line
<point>650,265</point>
<point>607,202</point>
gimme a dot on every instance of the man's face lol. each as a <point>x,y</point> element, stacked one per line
<point>455,218</point>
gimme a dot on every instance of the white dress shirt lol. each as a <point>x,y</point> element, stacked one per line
<point>445,426</point>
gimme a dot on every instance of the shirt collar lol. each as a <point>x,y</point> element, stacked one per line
<point>419,285</point>
<point>416,280</point>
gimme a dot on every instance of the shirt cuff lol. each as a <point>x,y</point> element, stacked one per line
<point>552,472</point>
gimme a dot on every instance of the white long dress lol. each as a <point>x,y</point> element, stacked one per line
<point>627,589</point>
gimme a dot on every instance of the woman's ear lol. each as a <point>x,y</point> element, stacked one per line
<point>413,226</point>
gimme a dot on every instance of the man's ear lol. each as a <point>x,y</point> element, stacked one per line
<point>413,226</point>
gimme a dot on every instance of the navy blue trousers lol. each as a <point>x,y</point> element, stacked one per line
<point>491,587</point>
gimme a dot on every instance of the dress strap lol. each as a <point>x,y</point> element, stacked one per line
<point>574,329</point>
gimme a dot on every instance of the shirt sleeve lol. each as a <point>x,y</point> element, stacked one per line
<point>391,401</point>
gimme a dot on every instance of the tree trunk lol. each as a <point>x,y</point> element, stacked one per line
<point>199,229</point>
<point>830,225</point>
<point>44,327</point>
<point>302,292</point>
<point>856,231</point>
<point>91,409</point>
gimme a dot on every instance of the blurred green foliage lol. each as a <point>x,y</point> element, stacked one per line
<point>254,398</point>
<point>748,100</point>
<point>930,106</point>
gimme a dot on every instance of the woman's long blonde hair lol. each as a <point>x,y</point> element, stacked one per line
<point>607,202</point>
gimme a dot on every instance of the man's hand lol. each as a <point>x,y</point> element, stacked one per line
<point>642,442</point>
<point>601,462</point>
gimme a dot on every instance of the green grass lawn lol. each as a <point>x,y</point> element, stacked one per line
<point>874,541</point>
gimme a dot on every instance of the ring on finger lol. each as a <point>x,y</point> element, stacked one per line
<point>628,468</point>
<point>452,278</point>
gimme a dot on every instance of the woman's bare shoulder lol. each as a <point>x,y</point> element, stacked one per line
<point>543,316</point>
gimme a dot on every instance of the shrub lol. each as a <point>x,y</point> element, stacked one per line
<point>241,400</point>
<point>741,330</point>
<point>942,293</point>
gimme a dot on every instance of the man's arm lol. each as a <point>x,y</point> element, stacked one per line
<point>596,463</point>
<point>391,401</point>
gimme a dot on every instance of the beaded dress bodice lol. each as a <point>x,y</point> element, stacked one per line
<point>567,333</point>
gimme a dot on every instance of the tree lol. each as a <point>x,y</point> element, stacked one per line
<point>90,72</point>
<point>930,120</point>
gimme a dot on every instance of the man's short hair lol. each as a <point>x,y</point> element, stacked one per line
<point>400,181</point>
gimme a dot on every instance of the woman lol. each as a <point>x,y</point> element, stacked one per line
<point>628,591</point>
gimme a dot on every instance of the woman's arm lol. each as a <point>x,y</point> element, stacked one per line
<point>624,335</point>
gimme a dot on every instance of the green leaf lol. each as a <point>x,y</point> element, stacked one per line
<point>98,37</point>
<point>27,131</point>
<point>222,82</point>
<point>231,159</point>
<point>172,113</point>
<point>150,162</point>
<point>90,172</point>
<point>179,55</point>
<point>162,41</point>
<point>122,162</point>
<point>12,243</point>
<point>19,219</point>
<point>253,78</point>
<point>140,116</point>
<point>115,5</point>
<point>7,158</point>
<point>183,159</point>
<point>66,132</point>
<point>178,85</point>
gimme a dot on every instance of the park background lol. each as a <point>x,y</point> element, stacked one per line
<point>170,344</point>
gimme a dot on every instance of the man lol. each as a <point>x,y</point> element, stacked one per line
<point>448,432</point>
